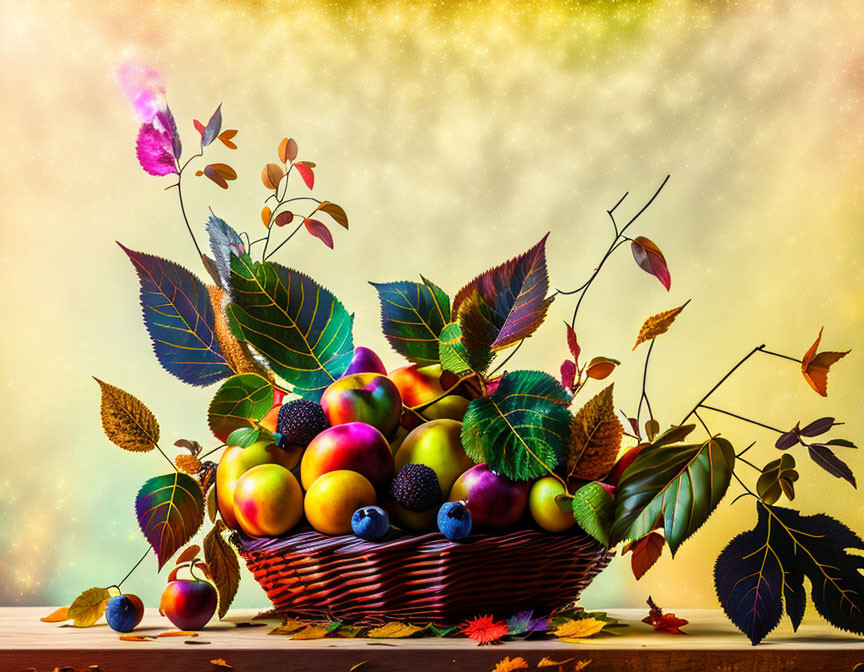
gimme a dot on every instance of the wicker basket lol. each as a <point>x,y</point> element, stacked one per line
<point>422,578</point>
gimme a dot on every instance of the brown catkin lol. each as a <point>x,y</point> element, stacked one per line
<point>232,350</point>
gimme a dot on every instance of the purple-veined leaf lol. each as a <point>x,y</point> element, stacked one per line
<point>179,317</point>
<point>165,120</point>
<point>818,427</point>
<point>509,300</point>
<point>822,455</point>
<point>651,260</point>
<point>170,509</point>
<point>214,126</point>
<point>787,439</point>
<point>524,623</point>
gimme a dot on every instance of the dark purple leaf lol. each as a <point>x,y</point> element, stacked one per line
<point>211,173</point>
<point>841,442</point>
<point>825,458</point>
<point>524,623</point>
<point>568,374</point>
<point>211,132</point>
<point>786,440</point>
<point>818,427</point>
<point>651,260</point>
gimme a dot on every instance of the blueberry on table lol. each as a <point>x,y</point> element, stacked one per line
<point>124,612</point>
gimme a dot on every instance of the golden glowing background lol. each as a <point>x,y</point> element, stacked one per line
<point>455,136</point>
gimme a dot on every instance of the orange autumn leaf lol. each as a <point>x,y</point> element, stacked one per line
<point>188,464</point>
<point>226,136</point>
<point>271,175</point>
<point>657,324</point>
<point>509,664</point>
<point>815,366</point>
<point>287,150</point>
<point>178,633</point>
<point>58,616</point>
<point>548,662</point>
<point>311,632</point>
<point>220,664</point>
<point>335,211</point>
<point>600,367</point>
<point>191,552</point>
<point>136,638</point>
<point>266,214</point>
<point>645,553</point>
<point>394,630</point>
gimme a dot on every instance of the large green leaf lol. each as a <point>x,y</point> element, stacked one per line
<point>412,316</point>
<point>521,429</point>
<point>241,401</point>
<point>458,357</point>
<point>764,567</point>
<point>302,330</point>
<point>678,485</point>
<point>593,509</point>
<point>170,510</point>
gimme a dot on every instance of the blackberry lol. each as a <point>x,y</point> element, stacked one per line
<point>300,421</point>
<point>416,488</point>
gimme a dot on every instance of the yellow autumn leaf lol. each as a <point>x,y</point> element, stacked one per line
<point>548,662</point>
<point>188,464</point>
<point>220,663</point>
<point>394,630</point>
<point>127,422</point>
<point>58,616</point>
<point>657,324</point>
<point>595,438</point>
<point>311,632</point>
<point>289,627</point>
<point>509,664</point>
<point>89,607</point>
<point>178,633</point>
<point>129,637</point>
<point>579,629</point>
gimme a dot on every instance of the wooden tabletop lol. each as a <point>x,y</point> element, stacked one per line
<point>712,644</point>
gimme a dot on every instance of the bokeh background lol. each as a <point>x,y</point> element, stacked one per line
<point>455,135</point>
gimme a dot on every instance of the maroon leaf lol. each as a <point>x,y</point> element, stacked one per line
<point>651,260</point>
<point>645,553</point>
<point>818,427</point>
<point>211,172</point>
<point>307,174</point>
<point>573,344</point>
<point>284,218</point>
<point>568,374</point>
<point>822,455</point>
<point>841,442</point>
<point>787,440</point>
<point>509,301</point>
<point>320,231</point>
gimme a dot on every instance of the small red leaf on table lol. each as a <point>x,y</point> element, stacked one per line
<point>665,622</point>
<point>485,630</point>
<point>320,231</point>
<point>306,173</point>
<point>815,366</point>
<point>651,260</point>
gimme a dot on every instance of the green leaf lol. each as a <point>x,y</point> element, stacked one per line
<point>594,510</point>
<point>242,401</point>
<point>302,330</point>
<point>521,429</point>
<point>679,485</point>
<point>170,510</point>
<point>412,316</point>
<point>451,351</point>
<point>243,437</point>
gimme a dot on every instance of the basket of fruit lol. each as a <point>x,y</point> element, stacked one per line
<point>447,486</point>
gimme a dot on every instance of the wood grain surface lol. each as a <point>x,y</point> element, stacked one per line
<point>712,644</point>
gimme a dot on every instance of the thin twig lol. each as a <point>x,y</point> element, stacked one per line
<point>741,417</point>
<point>644,380</point>
<point>777,354</point>
<point>146,553</point>
<point>506,359</point>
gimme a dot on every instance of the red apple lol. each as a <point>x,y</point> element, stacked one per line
<point>365,361</point>
<point>188,603</point>
<point>623,462</point>
<point>363,397</point>
<point>493,500</point>
<point>354,446</point>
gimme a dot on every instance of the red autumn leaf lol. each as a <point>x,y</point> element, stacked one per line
<point>188,555</point>
<point>306,173</point>
<point>651,260</point>
<point>485,630</point>
<point>211,172</point>
<point>573,344</point>
<point>199,127</point>
<point>815,366</point>
<point>492,385</point>
<point>284,218</point>
<point>644,553</point>
<point>320,231</point>
<point>568,374</point>
<point>665,622</point>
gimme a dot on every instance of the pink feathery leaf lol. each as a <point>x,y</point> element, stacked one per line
<point>155,150</point>
<point>143,87</point>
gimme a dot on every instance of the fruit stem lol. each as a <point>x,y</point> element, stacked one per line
<point>129,573</point>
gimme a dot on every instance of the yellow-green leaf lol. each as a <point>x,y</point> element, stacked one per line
<point>88,607</point>
<point>127,422</point>
<point>395,630</point>
<point>578,629</point>
<point>657,324</point>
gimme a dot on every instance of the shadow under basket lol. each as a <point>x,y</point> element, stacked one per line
<point>423,578</point>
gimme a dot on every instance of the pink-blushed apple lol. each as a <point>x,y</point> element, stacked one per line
<point>493,500</point>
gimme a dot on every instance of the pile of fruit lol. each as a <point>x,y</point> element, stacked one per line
<point>364,460</point>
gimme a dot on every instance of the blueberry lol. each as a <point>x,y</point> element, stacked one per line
<point>124,612</point>
<point>454,520</point>
<point>370,522</point>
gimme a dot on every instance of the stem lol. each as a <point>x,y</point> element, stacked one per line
<point>741,417</point>
<point>278,247</point>
<point>702,422</point>
<point>777,354</point>
<point>507,358</point>
<point>210,452</point>
<point>137,564</point>
<point>616,242</point>
<point>745,450</point>
<point>180,197</point>
<point>721,381</point>
<point>427,404</point>
<point>644,379</point>
<point>748,463</point>
<point>173,466</point>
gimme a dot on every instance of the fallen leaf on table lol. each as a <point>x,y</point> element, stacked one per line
<point>89,607</point>
<point>178,633</point>
<point>509,664</point>
<point>289,627</point>
<point>220,664</point>
<point>485,630</point>
<point>394,630</point>
<point>349,631</point>
<point>548,662</point>
<point>665,622</point>
<point>573,631</point>
<point>62,614</point>
<point>136,638</point>
<point>356,666</point>
<point>312,632</point>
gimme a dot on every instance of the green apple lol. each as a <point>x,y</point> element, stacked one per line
<point>452,406</point>
<point>438,445</point>
<point>546,511</point>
